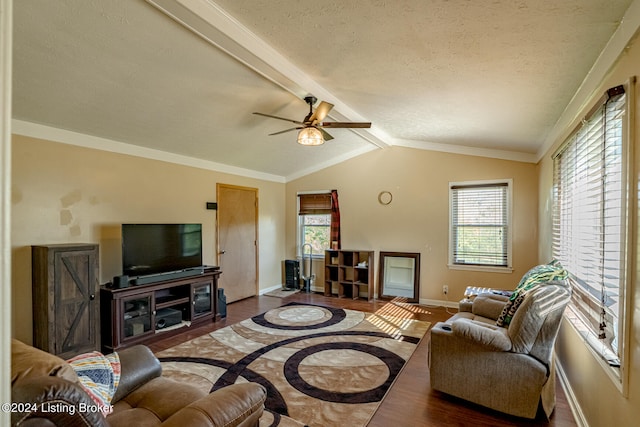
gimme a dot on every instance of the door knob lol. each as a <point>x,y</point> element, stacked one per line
<point>222,252</point>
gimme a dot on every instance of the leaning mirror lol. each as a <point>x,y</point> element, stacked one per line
<point>399,276</point>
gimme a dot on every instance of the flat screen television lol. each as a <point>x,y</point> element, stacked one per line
<point>160,248</point>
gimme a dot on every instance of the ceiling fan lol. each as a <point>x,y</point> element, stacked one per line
<point>311,127</point>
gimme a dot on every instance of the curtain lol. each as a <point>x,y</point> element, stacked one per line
<point>335,220</point>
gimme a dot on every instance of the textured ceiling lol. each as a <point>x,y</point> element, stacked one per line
<point>461,74</point>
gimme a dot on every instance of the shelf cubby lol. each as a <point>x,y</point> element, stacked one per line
<point>350,272</point>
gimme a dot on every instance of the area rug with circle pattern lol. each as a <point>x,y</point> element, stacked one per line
<point>321,366</point>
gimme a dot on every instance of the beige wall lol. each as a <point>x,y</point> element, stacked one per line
<point>65,194</point>
<point>417,219</point>
<point>601,403</point>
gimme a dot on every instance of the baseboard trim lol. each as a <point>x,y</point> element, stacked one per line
<point>439,303</point>
<point>272,288</point>
<point>427,302</point>
<point>576,410</point>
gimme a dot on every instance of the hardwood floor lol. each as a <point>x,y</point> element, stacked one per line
<point>410,401</point>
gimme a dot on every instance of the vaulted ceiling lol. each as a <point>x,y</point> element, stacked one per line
<point>493,78</point>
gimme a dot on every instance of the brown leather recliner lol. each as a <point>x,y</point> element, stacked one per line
<point>46,392</point>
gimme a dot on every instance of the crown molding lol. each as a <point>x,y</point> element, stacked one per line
<point>334,161</point>
<point>467,150</point>
<point>35,130</point>
<point>49,133</point>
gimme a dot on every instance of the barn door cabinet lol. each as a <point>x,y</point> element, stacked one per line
<point>66,309</point>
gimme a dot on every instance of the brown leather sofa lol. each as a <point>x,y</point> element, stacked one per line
<point>46,392</point>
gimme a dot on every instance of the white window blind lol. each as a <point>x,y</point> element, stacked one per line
<point>589,216</point>
<point>480,224</point>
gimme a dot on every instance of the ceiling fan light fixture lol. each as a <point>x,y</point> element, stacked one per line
<point>310,136</point>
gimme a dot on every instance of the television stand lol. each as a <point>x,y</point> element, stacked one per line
<point>149,312</point>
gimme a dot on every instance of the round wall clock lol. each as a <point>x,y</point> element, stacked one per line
<point>385,197</point>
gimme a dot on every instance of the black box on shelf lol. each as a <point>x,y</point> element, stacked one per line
<point>166,317</point>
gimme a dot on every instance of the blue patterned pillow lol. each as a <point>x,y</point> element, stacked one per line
<point>99,375</point>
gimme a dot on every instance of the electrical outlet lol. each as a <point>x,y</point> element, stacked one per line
<point>445,289</point>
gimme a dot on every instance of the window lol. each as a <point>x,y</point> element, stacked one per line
<point>480,234</point>
<point>589,221</point>
<point>314,222</point>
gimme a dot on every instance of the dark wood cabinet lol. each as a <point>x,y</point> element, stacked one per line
<point>65,298</point>
<point>141,314</point>
<point>350,272</point>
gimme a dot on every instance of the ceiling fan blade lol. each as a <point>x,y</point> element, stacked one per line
<point>334,125</point>
<point>321,112</point>
<point>283,131</point>
<point>325,134</point>
<point>279,118</point>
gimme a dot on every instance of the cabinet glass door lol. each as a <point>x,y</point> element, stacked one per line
<point>202,299</point>
<point>136,316</point>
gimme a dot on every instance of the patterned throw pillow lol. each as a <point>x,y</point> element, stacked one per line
<point>99,375</point>
<point>537,276</point>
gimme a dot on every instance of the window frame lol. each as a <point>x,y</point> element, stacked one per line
<point>300,224</point>
<point>619,375</point>
<point>479,267</point>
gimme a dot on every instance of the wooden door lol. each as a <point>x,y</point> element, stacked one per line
<point>237,235</point>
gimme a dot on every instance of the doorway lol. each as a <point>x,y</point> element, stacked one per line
<point>237,240</point>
